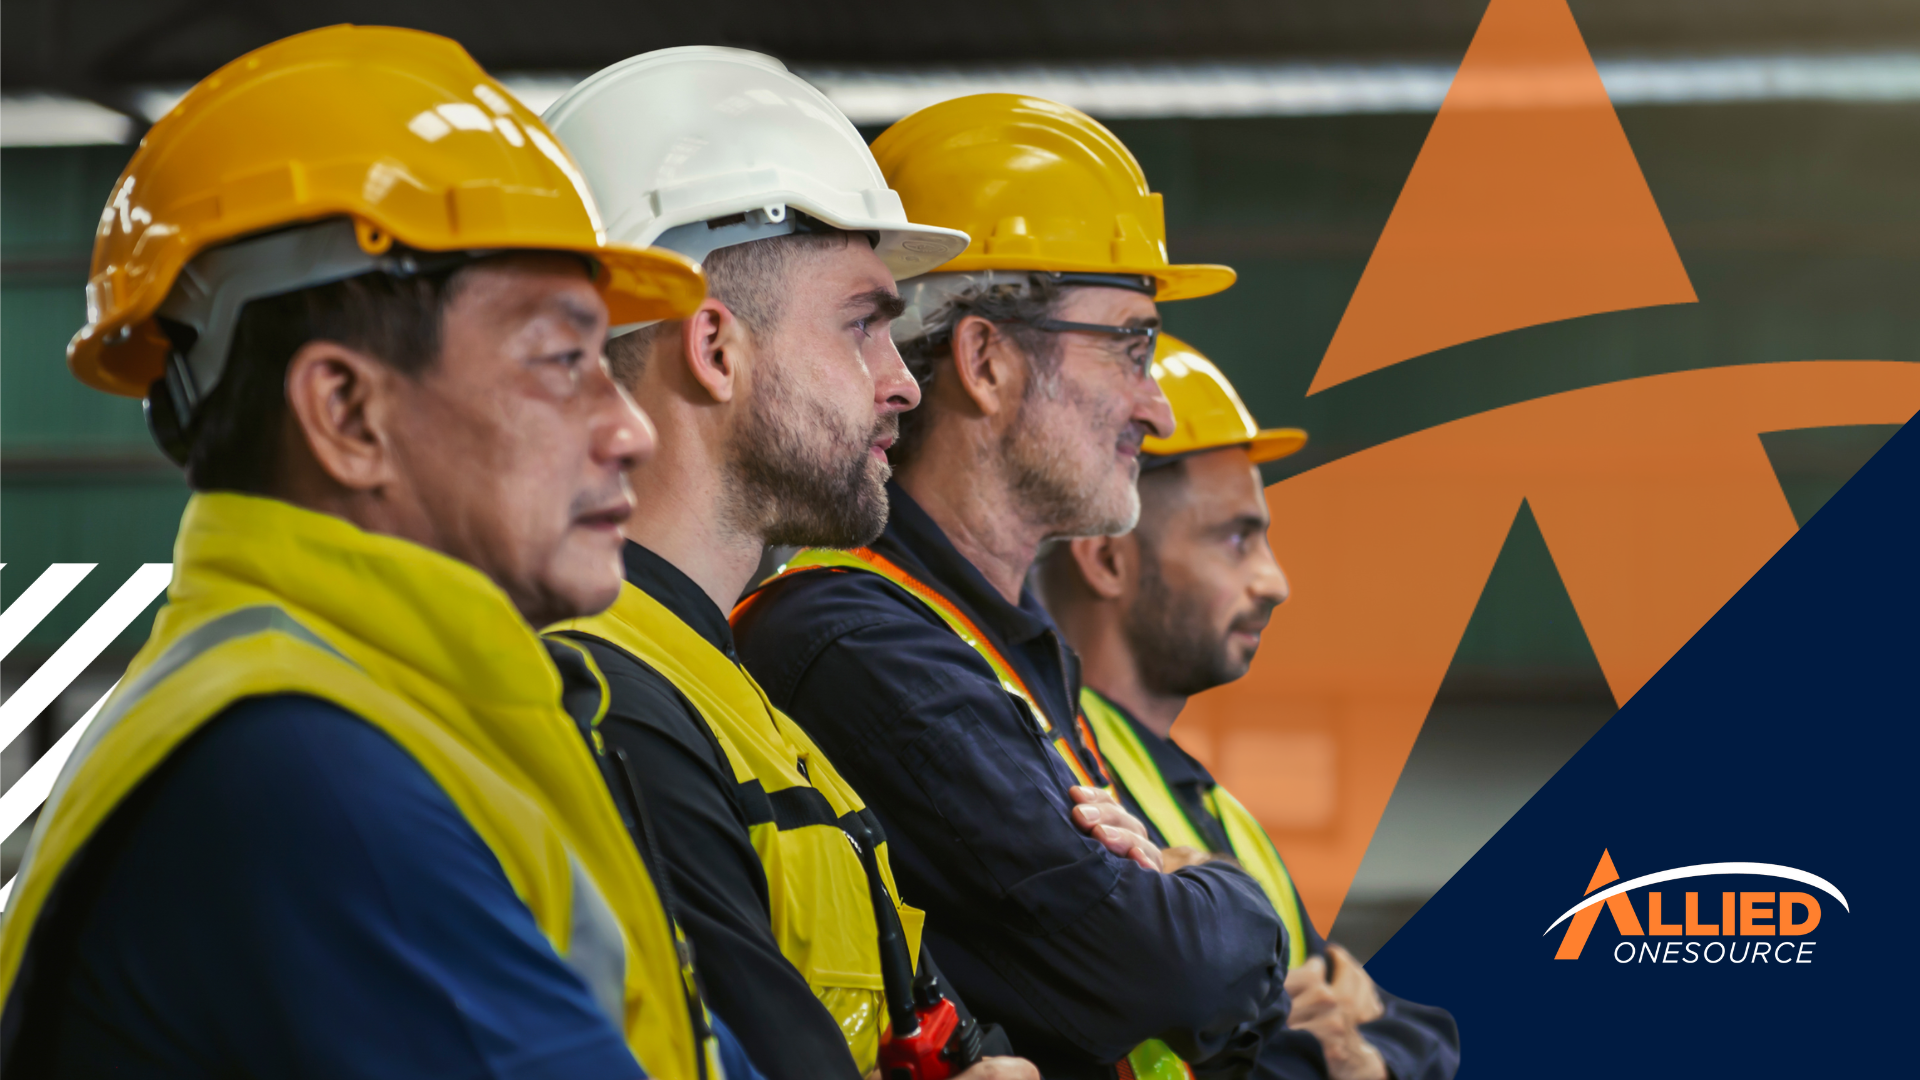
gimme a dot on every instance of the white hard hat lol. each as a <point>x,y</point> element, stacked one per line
<point>701,147</point>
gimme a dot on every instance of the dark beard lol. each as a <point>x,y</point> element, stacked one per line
<point>795,496</point>
<point>1175,650</point>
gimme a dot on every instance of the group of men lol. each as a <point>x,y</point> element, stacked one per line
<point>461,746</point>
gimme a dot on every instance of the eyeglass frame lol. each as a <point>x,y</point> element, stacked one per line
<point>1062,326</point>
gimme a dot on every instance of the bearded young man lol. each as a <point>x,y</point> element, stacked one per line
<point>775,404</point>
<point>937,683</point>
<point>1174,608</point>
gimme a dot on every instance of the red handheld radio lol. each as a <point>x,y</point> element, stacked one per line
<point>929,1039</point>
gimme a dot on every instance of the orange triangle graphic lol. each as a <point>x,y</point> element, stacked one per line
<point>1604,873</point>
<point>1525,206</point>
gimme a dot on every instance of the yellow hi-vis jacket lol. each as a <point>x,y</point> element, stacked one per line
<point>1131,764</point>
<point>820,905</point>
<point>268,598</point>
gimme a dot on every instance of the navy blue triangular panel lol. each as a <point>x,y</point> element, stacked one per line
<point>1786,734</point>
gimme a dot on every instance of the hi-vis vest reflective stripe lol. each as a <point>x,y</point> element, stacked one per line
<point>1132,764</point>
<point>820,905</point>
<point>271,599</point>
<point>872,562</point>
<point>1153,1059</point>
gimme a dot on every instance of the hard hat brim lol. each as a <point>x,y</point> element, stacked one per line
<point>1269,445</point>
<point>1183,281</point>
<point>1273,444</point>
<point>912,251</point>
<point>646,284</point>
<point>124,356</point>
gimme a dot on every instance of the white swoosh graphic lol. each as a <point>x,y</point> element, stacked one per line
<point>1702,870</point>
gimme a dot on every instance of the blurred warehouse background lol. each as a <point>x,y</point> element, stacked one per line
<point>1780,138</point>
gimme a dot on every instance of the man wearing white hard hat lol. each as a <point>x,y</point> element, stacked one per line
<point>775,404</point>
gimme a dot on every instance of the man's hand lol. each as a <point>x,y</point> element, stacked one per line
<point>1001,1068</point>
<point>1101,816</point>
<point>1333,1012</point>
<point>990,1068</point>
<point>1179,858</point>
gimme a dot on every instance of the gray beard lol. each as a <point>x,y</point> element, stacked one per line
<point>1042,478</point>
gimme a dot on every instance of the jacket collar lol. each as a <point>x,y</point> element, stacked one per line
<point>1175,764</point>
<point>915,542</point>
<point>677,592</point>
<point>368,593</point>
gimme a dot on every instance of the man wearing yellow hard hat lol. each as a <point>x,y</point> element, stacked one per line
<point>336,820</point>
<point>932,677</point>
<point>1176,607</point>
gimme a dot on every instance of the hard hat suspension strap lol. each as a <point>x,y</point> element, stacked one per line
<point>217,285</point>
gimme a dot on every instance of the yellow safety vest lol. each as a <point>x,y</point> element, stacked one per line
<point>268,598</point>
<point>1132,764</point>
<point>1153,1059</point>
<point>819,902</point>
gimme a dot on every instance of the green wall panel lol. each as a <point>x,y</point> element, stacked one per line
<point>1798,225</point>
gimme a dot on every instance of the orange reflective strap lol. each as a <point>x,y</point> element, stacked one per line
<point>871,561</point>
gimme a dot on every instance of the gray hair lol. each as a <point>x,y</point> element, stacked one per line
<point>936,303</point>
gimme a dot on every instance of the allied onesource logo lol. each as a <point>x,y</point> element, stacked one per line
<point>1710,926</point>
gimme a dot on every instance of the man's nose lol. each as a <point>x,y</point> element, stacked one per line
<point>894,387</point>
<point>622,434</point>
<point>1151,408</point>
<point>1269,581</point>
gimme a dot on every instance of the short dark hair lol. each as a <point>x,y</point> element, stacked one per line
<point>749,278</point>
<point>1011,307</point>
<point>236,434</point>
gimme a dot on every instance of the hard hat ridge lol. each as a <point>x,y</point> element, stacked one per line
<point>1037,185</point>
<point>1207,411</point>
<point>397,133</point>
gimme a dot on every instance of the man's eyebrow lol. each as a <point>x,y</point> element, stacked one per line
<point>1143,321</point>
<point>884,302</point>
<point>1246,522</point>
<point>583,317</point>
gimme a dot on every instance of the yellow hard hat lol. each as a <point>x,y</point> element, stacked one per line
<point>1207,413</point>
<point>398,130</point>
<point>1038,186</point>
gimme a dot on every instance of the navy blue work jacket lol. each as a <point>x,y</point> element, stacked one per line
<point>1081,954</point>
<point>1418,1042</point>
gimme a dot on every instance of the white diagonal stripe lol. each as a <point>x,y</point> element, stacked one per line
<point>41,597</point>
<point>1758,869</point>
<point>28,792</point>
<point>72,658</point>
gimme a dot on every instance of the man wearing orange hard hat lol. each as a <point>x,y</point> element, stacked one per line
<point>337,818</point>
<point>1176,607</point>
<point>929,673</point>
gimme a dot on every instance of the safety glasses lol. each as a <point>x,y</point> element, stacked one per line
<point>1138,341</point>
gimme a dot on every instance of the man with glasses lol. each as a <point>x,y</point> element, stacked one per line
<point>932,677</point>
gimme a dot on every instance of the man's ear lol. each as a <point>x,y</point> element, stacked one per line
<point>989,365</point>
<point>713,342</point>
<point>1108,564</point>
<point>344,404</point>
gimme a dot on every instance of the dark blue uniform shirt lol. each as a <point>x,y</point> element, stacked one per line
<point>1418,1042</point>
<point>291,894</point>
<point>1081,954</point>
